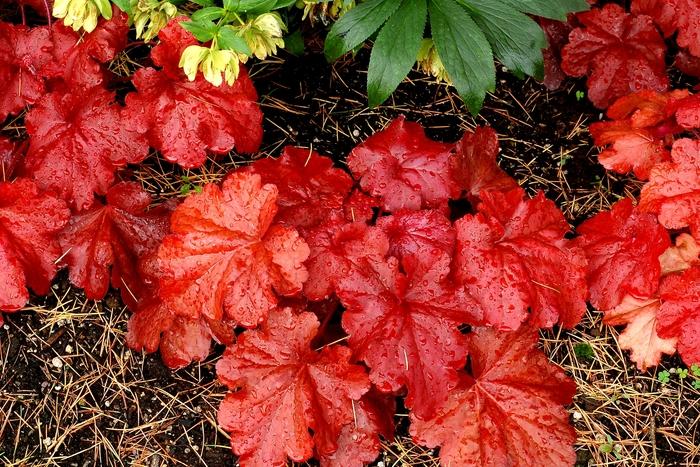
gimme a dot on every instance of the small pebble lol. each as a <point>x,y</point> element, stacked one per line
<point>577,415</point>
<point>6,327</point>
<point>69,348</point>
<point>356,133</point>
<point>47,442</point>
<point>57,362</point>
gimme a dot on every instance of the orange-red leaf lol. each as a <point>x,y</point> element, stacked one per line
<point>512,256</point>
<point>508,412</point>
<point>223,261</point>
<point>679,316</point>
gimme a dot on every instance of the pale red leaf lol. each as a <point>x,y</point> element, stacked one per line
<point>415,233</point>
<point>683,255</point>
<point>640,336</point>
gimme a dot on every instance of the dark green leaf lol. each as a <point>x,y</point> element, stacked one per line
<point>553,9</point>
<point>294,43</point>
<point>203,30</point>
<point>228,38</point>
<point>516,39</point>
<point>357,25</point>
<point>204,3</point>
<point>395,50</point>
<point>464,51</point>
<point>209,13</point>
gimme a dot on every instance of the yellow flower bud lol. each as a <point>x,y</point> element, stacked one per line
<point>82,13</point>
<point>213,63</point>
<point>150,16</point>
<point>429,61</point>
<point>191,58</point>
<point>264,34</point>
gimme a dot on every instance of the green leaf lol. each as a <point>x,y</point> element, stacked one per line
<point>210,13</point>
<point>283,4</point>
<point>357,25</point>
<point>464,51</point>
<point>395,50</point>
<point>294,43</point>
<point>552,9</point>
<point>516,39</point>
<point>228,38</point>
<point>249,6</point>
<point>203,30</point>
<point>204,3</point>
<point>123,5</point>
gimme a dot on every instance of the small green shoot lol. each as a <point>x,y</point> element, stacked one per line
<point>580,95</point>
<point>584,351</point>
<point>664,377</point>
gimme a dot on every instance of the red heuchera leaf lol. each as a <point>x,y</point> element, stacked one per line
<point>186,119</point>
<point>673,191</point>
<point>403,167</point>
<point>310,188</point>
<point>679,315</point>
<point>662,11</point>
<point>287,389</point>
<point>557,34</point>
<point>509,412</point>
<point>623,247</point>
<point>24,53</point>
<point>688,22</point>
<point>474,166</point>
<point>359,207</point>
<point>78,140</point>
<point>338,248</point>
<point>512,255</point>
<point>10,155</point>
<point>414,233</point>
<point>688,112</point>
<point>113,235</point>
<point>684,255</point>
<point>222,261</point>
<point>79,58</point>
<point>413,339</point>
<point>640,336</point>
<point>619,52</point>
<point>638,137</point>
<point>29,224</point>
<point>359,444</point>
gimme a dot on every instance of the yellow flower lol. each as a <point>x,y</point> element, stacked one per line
<point>323,10</point>
<point>212,63</point>
<point>264,34</point>
<point>154,13</point>
<point>82,13</point>
<point>429,61</point>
